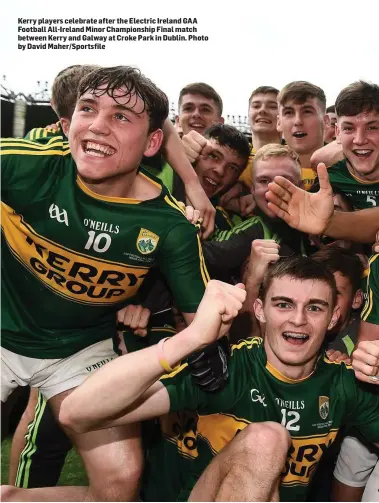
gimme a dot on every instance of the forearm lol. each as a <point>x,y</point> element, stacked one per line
<point>119,384</point>
<point>359,226</point>
<point>176,156</point>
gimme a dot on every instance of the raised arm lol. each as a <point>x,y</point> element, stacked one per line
<point>127,387</point>
<point>177,158</point>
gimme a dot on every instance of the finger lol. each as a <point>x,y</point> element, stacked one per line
<point>284,184</point>
<point>323,178</point>
<point>182,205</point>
<point>189,213</point>
<point>366,369</point>
<point>279,212</point>
<point>144,319</point>
<point>334,356</point>
<point>128,315</point>
<point>135,319</point>
<point>140,332</point>
<point>249,209</point>
<point>364,378</point>
<point>120,315</point>
<point>196,217</point>
<point>277,200</point>
<point>208,222</point>
<point>281,192</point>
<point>207,149</point>
<point>364,357</point>
<point>368,347</point>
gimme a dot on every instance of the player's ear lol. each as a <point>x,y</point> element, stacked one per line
<point>177,120</point>
<point>221,120</point>
<point>65,123</point>
<point>258,311</point>
<point>326,120</point>
<point>335,318</point>
<point>338,133</point>
<point>154,143</point>
<point>358,299</point>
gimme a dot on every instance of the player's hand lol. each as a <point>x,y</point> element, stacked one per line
<point>53,128</point>
<point>198,199</point>
<point>302,210</point>
<point>195,145</point>
<point>247,205</point>
<point>366,361</point>
<point>375,246</point>
<point>336,356</point>
<point>220,305</point>
<point>136,317</point>
<point>191,214</point>
<point>263,253</point>
<point>233,193</point>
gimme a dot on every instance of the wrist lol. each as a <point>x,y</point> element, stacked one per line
<point>181,345</point>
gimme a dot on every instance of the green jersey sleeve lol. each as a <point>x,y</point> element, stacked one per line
<point>370,312</point>
<point>45,134</point>
<point>25,166</point>
<point>362,406</point>
<point>182,263</point>
<point>185,395</point>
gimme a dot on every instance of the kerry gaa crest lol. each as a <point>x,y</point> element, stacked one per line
<point>147,241</point>
<point>323,406</point>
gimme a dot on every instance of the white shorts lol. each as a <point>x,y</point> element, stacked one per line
<point>355,464</point>
<point>52,376</point>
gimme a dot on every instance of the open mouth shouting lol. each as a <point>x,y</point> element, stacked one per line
<point>299,134</point>
<point>197,126</point>
<point>210,185</point>
<point>295,338</point>
<point>95,149</point>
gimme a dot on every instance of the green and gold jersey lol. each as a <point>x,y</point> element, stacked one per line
<point>72,258</point>
<point>360,194</point>
<point>370,312</point>
<point>312,409</point>
<point>45,134</point>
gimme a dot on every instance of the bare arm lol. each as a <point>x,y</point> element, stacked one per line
<point>126,387</point>
<point>177,158</point>
<point>328,154</point>
<point>360,226</point>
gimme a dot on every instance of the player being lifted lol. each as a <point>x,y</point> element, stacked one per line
<point>284,379</point>
<point>77,218</point>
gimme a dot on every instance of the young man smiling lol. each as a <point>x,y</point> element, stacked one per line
<point>301,120</point>
<point>81,245</point>
<point>283,378</point>
<point>357,176</point>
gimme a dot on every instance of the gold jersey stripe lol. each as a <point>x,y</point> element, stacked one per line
<point>370,301</point>
<point>110,199</point>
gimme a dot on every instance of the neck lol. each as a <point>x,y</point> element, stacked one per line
<point>264,139</point>
<point>371,177</point>
<point>305,159</point>
<point>293,372</point>
<point>123,186</point>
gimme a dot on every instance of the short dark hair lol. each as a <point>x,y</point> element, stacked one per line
<point>356,98</point>
<point>331,109</point>
<point>137,85</point>
<point>203,90</point>
<point>302,268</point>
<point>338,259</point>
<point>299,92</point>
<point>264,90</point>
<point>65,88</point>
<point>231,137</point>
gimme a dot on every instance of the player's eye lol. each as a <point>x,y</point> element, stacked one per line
<point>233,168</point>
<point>314,309</point>
<point>212,156</point>
<point>372,128</point>
<point>282,305</point>
<point>86,108</point>
<point>121,117</point>
<point>347,129</point>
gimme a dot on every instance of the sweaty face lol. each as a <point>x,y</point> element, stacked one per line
<point>198,113</point>
<point>359,136</point>
<point>108,138</point>
<point>263,112</point>
<point>219,169</point>
<point>302,126</point>
<point>345,297</point>
<point>330,128</point>
<point>265,171</point>
<point>297,314</point>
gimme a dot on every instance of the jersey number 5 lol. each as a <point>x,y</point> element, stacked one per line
<point>290,424</point>
<point>100,243</point>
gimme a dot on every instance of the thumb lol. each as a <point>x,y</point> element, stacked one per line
<point>323,178</point>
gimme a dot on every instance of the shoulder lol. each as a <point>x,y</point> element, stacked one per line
<point>17,146</point>
<point>252,344</point>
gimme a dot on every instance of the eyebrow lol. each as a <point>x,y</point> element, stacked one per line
<point>311,301</point>
<point>116,106</point>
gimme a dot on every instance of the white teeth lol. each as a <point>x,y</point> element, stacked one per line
<point>98,150</point>
<point>362,152</point>
<point>295,335</point>
<point>212,182</point>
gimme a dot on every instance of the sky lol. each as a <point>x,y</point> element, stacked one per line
<point>330,43</point>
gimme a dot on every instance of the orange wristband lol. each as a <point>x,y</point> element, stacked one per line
<point>162,359</point>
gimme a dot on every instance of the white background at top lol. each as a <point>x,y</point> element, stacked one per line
<point>329,43</point>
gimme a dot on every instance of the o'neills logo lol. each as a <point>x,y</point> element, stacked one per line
<point>78,277</point>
